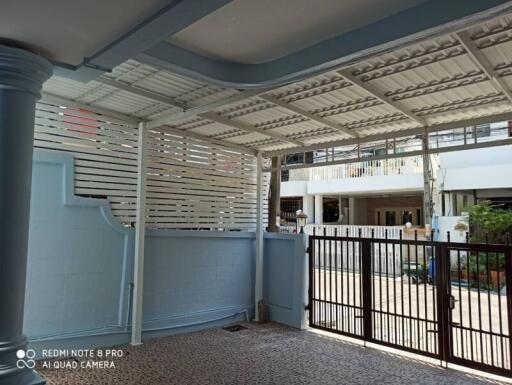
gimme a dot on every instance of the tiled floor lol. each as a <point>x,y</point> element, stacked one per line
<point>268,354</point>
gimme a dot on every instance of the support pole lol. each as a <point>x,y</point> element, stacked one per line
<point>22,75</point>
<point>319,209</point>
<point>274,200</point>
<point>427,178</point>
<point>140,233</point>
<point>258,279</point>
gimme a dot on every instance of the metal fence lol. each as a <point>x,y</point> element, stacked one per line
<point>445,300</point>
<point>391,232</point>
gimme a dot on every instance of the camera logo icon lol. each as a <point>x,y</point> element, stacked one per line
<point>26,359</point>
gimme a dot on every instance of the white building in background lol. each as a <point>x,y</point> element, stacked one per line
<point>468,177</point>
<point>363,193</point>
<point>391,192</point>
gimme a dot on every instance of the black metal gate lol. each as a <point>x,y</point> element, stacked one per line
<point>445,300</point>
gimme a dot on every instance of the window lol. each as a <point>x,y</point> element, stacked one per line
<point>289,207</point>
<point>407,217</point>
<point>331,212</point>
<point>390,218</point>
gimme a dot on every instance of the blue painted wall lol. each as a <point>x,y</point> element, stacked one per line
<point>285,278</point>
<point>78,256</point>
<point>192,277</point>
<point>80,268</point>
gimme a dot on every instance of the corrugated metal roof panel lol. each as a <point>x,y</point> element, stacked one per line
<point>66,88</point>
<point>210,129</point>
<point>435,80</point>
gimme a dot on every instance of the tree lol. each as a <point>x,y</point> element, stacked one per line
<point>489,223</point>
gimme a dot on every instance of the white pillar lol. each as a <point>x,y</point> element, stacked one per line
<point>140,233</point>
<point>351,210</point>
<point>319,209</point>
<point>258,279</point>
<point>308,206</point>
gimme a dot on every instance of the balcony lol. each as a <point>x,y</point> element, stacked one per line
<point>400,166</point>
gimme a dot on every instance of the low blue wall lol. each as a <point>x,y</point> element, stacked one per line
<point>194,277</point>
<point>285,278</point>
<point>79,257</point>
<point>80,270</point>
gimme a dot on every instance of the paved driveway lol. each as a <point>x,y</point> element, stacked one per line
<point>260,354</point>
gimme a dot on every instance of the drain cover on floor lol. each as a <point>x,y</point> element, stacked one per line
<point>234,328</point>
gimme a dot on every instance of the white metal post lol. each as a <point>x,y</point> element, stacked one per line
<point>140,232</point>
<point>258,279</point>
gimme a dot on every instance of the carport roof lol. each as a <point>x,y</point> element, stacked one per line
<point>453,80</point>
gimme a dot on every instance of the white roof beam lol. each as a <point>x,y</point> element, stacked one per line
<point>223,143</point>
<point>193,111</point>
<point>247,127</point>
<point>196,111</point>
<point>377,93</point>
<point>309,115</point>
<point>141,92</point>
<point>483,63</point>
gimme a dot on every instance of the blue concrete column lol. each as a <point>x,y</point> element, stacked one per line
<point>21,76</point>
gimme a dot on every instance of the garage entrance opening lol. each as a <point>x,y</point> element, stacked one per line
<point>450,301</point>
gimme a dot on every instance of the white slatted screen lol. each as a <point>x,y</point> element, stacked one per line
<point>191,184</point>
<point>105,151</point>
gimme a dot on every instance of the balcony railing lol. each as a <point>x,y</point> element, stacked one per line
<point>396,166</point>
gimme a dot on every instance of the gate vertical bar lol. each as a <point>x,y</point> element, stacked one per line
<point>366,270</point>
<point>442,300</point>
<point>508,280</point>
<point>311,291</point>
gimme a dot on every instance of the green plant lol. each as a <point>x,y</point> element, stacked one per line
<point>488,223</point>
<point>477,267</point>
<point>489,286</point>
<point>491,261</point>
